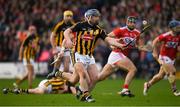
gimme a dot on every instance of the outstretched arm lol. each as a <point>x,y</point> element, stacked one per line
<point>112,41</point>
<point>144,47</point>
<point>68,38</point>
<point>155,48</point>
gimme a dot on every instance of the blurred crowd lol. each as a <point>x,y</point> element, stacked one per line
<point>17,15</point>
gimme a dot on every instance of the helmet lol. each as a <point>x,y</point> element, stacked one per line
<point>68,12</point>
<point>132,19</point>
<point>173,23</point>
<point>92,12</point>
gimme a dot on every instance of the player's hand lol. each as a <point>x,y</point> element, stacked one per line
<point>20,58</point>
<point>118,43</point>
<point>54,51</point>
<point>60,54</point>
<point>155,55</point>
<point>69,44</point>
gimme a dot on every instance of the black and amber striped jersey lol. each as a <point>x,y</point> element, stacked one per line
<point>86,37</point>
<point>59,31</point>
<point>56,83</point>
<point>29,47</point>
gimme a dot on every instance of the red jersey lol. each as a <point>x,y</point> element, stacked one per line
<point>126,36</point>
<point>169,47</point>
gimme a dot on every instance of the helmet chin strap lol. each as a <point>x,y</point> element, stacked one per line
<point>88,19</point>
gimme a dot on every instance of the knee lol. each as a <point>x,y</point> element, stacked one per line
<point>133,69</point>
<point>95,79</point>
<point>100,77</point>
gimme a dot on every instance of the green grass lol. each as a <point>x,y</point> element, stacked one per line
<point>104,93</point>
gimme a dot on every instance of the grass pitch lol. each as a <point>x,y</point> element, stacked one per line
<point>105,94</point>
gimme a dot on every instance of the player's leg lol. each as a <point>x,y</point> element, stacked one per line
<point>71,75</point>
<point>19,81</point>
<point>73,78</point>
<point>81,71</point>
<point>66,63</point>
<point>83,90</point>
<point>156,78</point>
<point>30,69</point>
<point>93,75</point>
<point>57,65</point>
<point>126,64</point>
<point>106,72</point>
<point>171,71</point>
<point>36,91</point>
<point>29,91</point>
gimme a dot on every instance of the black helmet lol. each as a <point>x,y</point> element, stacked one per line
<point>132,19</point>
<point>173,23</point>
<point>92,12</point>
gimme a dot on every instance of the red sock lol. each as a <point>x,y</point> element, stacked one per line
<point>126,86</point>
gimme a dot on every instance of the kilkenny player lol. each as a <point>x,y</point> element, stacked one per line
<point>47,86</point>
<point>87,34</point>
<point>56,39</point>
<point>27,54</point>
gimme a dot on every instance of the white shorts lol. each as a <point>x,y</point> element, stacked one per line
<point>31,61</point>
<point>166,60</point>
<point>114,57</point>
<point>66,52</point>
<point>47,89</point>
<point>85,59</point>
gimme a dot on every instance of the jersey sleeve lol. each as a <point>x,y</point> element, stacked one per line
<point>57,27</point>
<point>76,27</point>
<point>117,32</point>
<point>103,34</point>
<point>161,37</point>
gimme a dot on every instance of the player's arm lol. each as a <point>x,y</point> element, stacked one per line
<point>21,52</point>
<point>53,37</point>
<point>61,53</point>
<point>53,41</point>
<point>37,44</point>
<point>68,38</point>
<point>142,46</point>
<point>110,39</point>
<point>21,48</point>
<point>155,47</point>
<point>68,34</point>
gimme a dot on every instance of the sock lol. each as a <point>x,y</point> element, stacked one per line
<point>55,69</point>
<point>173,87</point>
<point>25,91</point>
<point>126,86</point>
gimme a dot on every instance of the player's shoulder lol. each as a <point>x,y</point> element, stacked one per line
<point>123,28</point>
<point>137,31</point>
<point>81,23</point>
<point>60,23</point>
<point>119,29</point>
<point>166,34</point>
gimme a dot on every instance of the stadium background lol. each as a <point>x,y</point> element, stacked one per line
<point>17,15</point>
